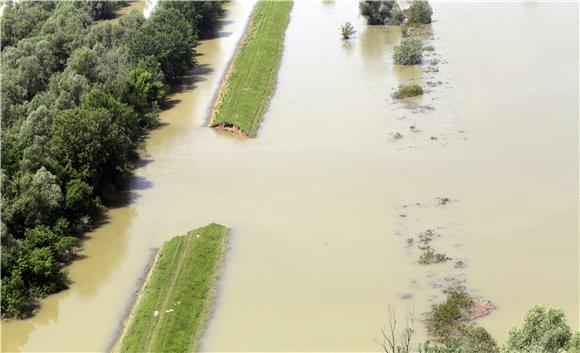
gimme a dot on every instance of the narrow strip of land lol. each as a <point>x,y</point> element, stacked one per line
<point>250,80</point>
<point>173,305</point>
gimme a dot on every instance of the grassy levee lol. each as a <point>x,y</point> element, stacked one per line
<point>172,308</point>
<point>249,83</point>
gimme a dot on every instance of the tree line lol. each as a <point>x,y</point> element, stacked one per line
<point>78,93</point>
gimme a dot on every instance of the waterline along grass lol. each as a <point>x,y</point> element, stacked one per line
<point>172,308</point>
<point>251,78</point>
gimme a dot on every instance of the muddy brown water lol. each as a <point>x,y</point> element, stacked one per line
<point>323,200</point>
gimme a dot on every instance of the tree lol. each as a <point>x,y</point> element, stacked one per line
<point>83,62</point>
<point>89,148</point>
<point>101,10</point>
<point>347,30</point>
<point>24,19</point>
<point>38,201</point>
<point>409,52</point>
<point>419,12</point>
<point>144,88</point>
<point>202,15</point>
<point>79,201</point>
<point>544,331</point>
<point>574,345</point>
<point>169,38</point>
<point>15,300</point>
<point>379,12</point>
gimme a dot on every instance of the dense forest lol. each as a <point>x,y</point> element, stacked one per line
<point>78,93</point>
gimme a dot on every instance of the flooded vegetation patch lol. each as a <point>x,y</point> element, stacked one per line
<point>429,256</point>
<point>408,91</point>
<point>249,84</point>
<point>409,52</point>
<point>451,318</point>
<point>172,307</point>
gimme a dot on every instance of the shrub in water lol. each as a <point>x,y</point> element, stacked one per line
<point>419,12</point>
<point>409,52</point>
<point>408,91</point>
<point>379,12</point>
<point>347,30</point>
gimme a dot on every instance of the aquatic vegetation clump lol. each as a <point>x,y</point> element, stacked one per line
<point>408,91</point>
<point>447,319</point>
<point>429,256</point>
<point>409,52</point>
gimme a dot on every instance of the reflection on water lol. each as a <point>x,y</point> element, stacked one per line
<point>318,247</point>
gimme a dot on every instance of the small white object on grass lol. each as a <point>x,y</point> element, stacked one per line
<point>156,313</point>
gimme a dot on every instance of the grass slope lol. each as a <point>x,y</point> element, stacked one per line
<point>180,288</point>
<point>251,78</point>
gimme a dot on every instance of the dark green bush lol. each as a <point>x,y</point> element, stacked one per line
<point>381,12</point>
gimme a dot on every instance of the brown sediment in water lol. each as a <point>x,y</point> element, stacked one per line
<point>231,128</point>
<point>479,308</point>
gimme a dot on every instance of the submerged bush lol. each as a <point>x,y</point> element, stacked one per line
<point>409,52</point>
<point>381,12</point>
<point>419,12</point>
<point>347,30</point>
<point>445,319</point>
<point>408,91</point>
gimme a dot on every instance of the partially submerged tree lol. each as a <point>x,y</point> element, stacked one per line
<point>381,12</point>
<point>347,30</point>
<point>409,52</point>
<point>392,340</point>
<point>419,12</point>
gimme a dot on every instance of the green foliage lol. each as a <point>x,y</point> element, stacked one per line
<point>404,30</point>
<point>83,62</point>
<point>169,38</point>
<point>408,91</point>
<point>347,30</point>
<point>381,12</point>
<point>23,19</point>
<point>75,100</point>
<point>419,12</point>
<point>78,200</point>
<point>202,15</point>
<point>444,320</point>
<point>144,88</point>
<point>574,345</point>
<point>104,9</point>
<point>544,331</point>
<point>409,52</point>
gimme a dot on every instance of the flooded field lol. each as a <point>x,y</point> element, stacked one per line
<point>322,202</point>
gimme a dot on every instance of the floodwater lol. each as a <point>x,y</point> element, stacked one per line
<point>322,202</point>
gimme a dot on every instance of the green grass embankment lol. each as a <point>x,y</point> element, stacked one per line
<point>171,310</point>
<point>251,78</point>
